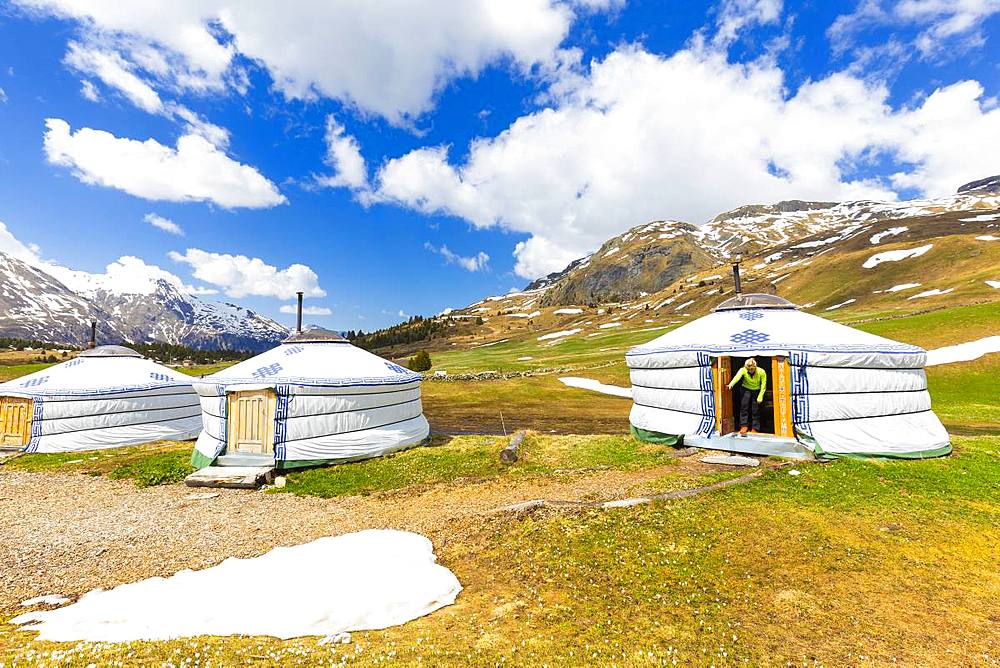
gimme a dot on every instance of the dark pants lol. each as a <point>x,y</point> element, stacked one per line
<point>749,406</point>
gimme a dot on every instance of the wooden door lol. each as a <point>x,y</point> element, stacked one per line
<point>15,421</point>
<point>781,374</point>
<point>251,422</point>
<point>725,421</point>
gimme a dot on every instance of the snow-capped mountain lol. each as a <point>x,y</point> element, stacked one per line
<point>57,304</point>
<point>651,256</point>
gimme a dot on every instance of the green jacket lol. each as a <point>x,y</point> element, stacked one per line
<point>756,382</point>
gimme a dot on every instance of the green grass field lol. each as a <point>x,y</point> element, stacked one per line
<point>849,563</point>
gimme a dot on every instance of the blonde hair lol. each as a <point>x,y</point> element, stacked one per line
<point>752,359</point>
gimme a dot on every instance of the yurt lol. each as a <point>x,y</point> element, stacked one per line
<point>106,397</point>
<point>832,391</point>
<point>314,399</point>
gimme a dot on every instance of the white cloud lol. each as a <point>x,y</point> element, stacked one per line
<point>164,224</point>
<point>89,91</point>
<point>291,309</point>
<point>946,27</point>
<point>3,96</point>
<point>343,155</point>
<point>114,71</point>
<point>478,262</point>
<point>240,275</point>
<point>645,137</point>
<point>127,274</point>
<point>195,171</point>
<point>735,15</point>
<point>10,245</point>
<point>388,57</point>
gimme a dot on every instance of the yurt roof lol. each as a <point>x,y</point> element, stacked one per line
<point>316,363</point>
<point>315,335</point>
<point>755,300</point>
<point>110,351</point>
<point>102,370</point>
<point>775,330</point>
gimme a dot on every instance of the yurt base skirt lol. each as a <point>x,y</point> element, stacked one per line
<point>656,437</point>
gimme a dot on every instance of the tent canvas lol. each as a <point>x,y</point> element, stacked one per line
<point>107,397</point>
<point>308,402</point>
<point>848,393</point>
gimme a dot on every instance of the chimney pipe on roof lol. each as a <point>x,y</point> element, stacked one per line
<point>736,275</point>
<point>93,335</point>
<point>298,317</point>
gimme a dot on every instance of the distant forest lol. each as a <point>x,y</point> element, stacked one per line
<point>174,354</point>
<point>414,330</point>
<point>165,352</point>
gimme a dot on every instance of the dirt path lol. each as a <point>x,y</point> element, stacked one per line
<point>68,534</point>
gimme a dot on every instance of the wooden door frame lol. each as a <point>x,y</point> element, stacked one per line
<point>270,405</point>
<point>25,427</point>
<point>781,395</point>
<point>722,373</point>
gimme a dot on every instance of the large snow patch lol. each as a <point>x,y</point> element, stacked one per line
<point>964,352</point>
<point>366,580</point>
<point>596,386</point>
<point>895,255</point>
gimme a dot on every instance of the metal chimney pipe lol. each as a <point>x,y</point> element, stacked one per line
<point>93,335</point>
<point>736,276</point>
<point>298,316</point>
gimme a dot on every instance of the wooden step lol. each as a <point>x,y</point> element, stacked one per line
<point>231,477</point>
<point>244,460</point>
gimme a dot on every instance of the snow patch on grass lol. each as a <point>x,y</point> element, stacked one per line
<point>897,288</point>
<point>891,232</point>
<point>895,255</point>
<point>597,386</point>
<point>836,306</point>
<point>931,293</point>
<point>556,335</point>
<point>370,579</point>
<point>964,352</point>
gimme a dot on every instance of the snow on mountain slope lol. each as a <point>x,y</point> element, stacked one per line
<point>57,304</point>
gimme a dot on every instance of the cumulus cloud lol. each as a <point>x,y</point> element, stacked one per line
<point>164,224</point>
<point>387,57</point>
<point>126,275</point>
<point>10,245</point>
<point>645,136</point>
<point>292,309</point>
<point>240,276</point>
<point>195,171</point>
<point>343,155</point>
<point>478,262</point>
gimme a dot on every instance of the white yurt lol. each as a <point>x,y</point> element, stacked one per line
<point>314,399</point>
<point>832,391</point>
<point>106,397</point>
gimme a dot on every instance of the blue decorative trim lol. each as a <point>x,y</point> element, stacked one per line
<point>311,382</point>
<point>37,413</point>
<point>899,349</point>
<point>749,336</point>
<point>224,412</point>
<point>53,393</point>
<point>707,425</point>
<point>800,392</point>
<point>267,370</point>
<point>293,350</point>
<point>281,421</point>
<point>752,314</point>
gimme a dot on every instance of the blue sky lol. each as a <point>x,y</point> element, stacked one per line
<point>404,157</point>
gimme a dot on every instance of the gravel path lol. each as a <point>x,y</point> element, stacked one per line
<point>70,533</point>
